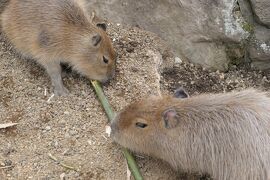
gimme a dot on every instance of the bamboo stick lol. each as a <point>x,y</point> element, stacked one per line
<point>130,159</point>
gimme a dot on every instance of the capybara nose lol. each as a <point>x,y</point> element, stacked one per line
<point>108,78</point>
<point>112,74</point>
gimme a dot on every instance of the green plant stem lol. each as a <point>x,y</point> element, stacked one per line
<point>103,100</point>
<point>132,164</point>
<point>130,159</point>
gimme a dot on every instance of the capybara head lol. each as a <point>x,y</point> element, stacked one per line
<point>93,54</point>
<point>90,50</point>
<point>141,125</point>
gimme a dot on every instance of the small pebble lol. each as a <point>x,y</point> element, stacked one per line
<point>177,60</point>
<point>73,132</point>
<point>66,113</point>
<point>55,144</point>
<point>8,162</point>
<point>222,76</point>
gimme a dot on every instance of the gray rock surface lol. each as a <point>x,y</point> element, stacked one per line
<point>214,34</point>
<point>256,14</point>
<point>259,48</point>
<point>195,29</point>
<point>261,8</point>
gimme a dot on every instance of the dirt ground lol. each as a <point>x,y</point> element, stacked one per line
<point>72,128</point>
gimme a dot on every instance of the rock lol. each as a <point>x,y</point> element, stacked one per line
<point>259,48</point>
<point>261,8</point>
<point>73,132</point>
<point>8,162</point>
<point>195,29</point>
<point>177,60</point>
<point>246,11</point>
<point>66,113</point>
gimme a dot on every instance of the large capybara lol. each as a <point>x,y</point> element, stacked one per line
<point>224,135</point>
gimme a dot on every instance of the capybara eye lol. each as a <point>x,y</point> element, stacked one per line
<point>141,125</point>
<point>105,60</point>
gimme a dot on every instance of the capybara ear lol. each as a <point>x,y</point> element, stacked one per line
<point>102,26</point>
<point>99,22</point>
<point>170,118</point>
<point>180,93</point>
<point>96,39</point>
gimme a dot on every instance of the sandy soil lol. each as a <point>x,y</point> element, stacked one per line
<point>72,128</point>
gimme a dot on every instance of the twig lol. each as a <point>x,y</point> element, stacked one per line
<point>6,167</point>
<point>50,98</point>
<point>3,126</point>
<point>61,163</point>
<point>130,159</point>
<point>45,92</point>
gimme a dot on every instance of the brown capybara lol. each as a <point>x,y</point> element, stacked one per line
<point>226,136</point>
<point>59,31</point>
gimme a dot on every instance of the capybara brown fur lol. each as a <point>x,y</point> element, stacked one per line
<point>59,31</point>
<point>226,136</point>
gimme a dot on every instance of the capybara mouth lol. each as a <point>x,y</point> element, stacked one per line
<point>105,81</point>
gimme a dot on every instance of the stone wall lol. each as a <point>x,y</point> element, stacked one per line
<point>213,33</point>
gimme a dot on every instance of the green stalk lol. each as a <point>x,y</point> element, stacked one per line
<point>103,100</point>
<point>130,159</point>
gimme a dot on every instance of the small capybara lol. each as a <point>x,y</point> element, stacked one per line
<point>59,31</point>
<point>226,136</point>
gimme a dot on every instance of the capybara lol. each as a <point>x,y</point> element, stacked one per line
<point>59,31</point>
<point>226,136</point>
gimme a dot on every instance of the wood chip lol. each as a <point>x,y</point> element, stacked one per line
<point>108,130</point>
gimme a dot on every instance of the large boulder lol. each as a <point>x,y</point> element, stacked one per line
<point>256,14</point>
<point>261,8</point>
<point>199,31</point>
<point>259,48</point>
